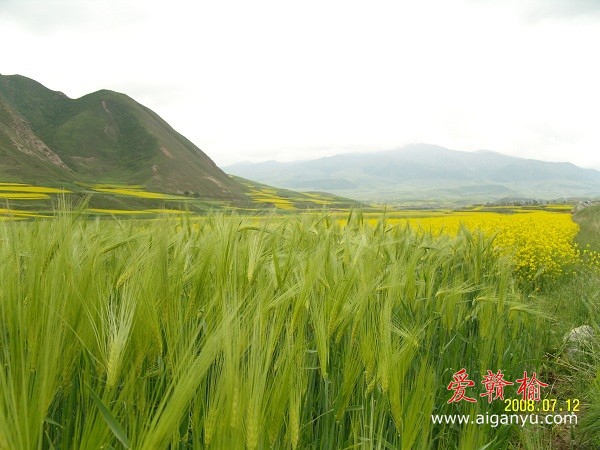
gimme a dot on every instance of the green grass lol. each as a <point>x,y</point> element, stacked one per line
<point>589,223</point>
<point>225,334</point>
<point>577,303</point>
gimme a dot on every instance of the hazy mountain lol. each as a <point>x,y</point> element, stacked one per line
<point>102,137</point>
<point>107,137</point>
<point>422,172</point>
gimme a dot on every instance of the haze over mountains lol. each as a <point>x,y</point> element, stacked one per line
<point>422,172</point>
<point>102,137</point>
<point>107,137</point>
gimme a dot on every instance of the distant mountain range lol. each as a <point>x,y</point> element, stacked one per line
<point>427,173</point>
<point>107,137</point>
<point>103,137</point>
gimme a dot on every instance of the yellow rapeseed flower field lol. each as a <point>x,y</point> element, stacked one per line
<point>22,196</point>
<point>137,212</point>
<point>16,191</point>
<point>19,188</point>
<point>16,214</point>
<point>541,243</point>
<point>132,192</point>
<point>270,197</point>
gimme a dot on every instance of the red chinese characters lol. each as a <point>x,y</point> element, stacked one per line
<point>459,385</point>
<point>529,388</point>
<point>494,385</point>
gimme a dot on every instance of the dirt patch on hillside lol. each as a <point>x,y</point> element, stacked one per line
<point>165,151</point>
<point>27,142</point>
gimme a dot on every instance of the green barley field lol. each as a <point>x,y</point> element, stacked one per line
<point>302,332</point>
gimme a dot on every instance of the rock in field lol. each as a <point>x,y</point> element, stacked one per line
<point>579,341</point>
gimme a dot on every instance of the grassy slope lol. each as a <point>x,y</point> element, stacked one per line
<point>106,137</point>
<point>301,200</point>
<point>589,222</point>
<point>18,166</point>
<point>574,303</point>
<point>190,202</point>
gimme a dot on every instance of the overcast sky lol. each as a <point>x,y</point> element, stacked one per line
<point>257,80</point>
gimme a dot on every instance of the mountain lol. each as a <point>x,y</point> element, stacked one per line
<point>422,172</point>
<point>102,137</point>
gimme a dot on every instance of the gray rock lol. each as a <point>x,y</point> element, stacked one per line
<point>579,341</point>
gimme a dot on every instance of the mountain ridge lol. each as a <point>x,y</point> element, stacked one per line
<point>104,136</point>
<point>422,172</point>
